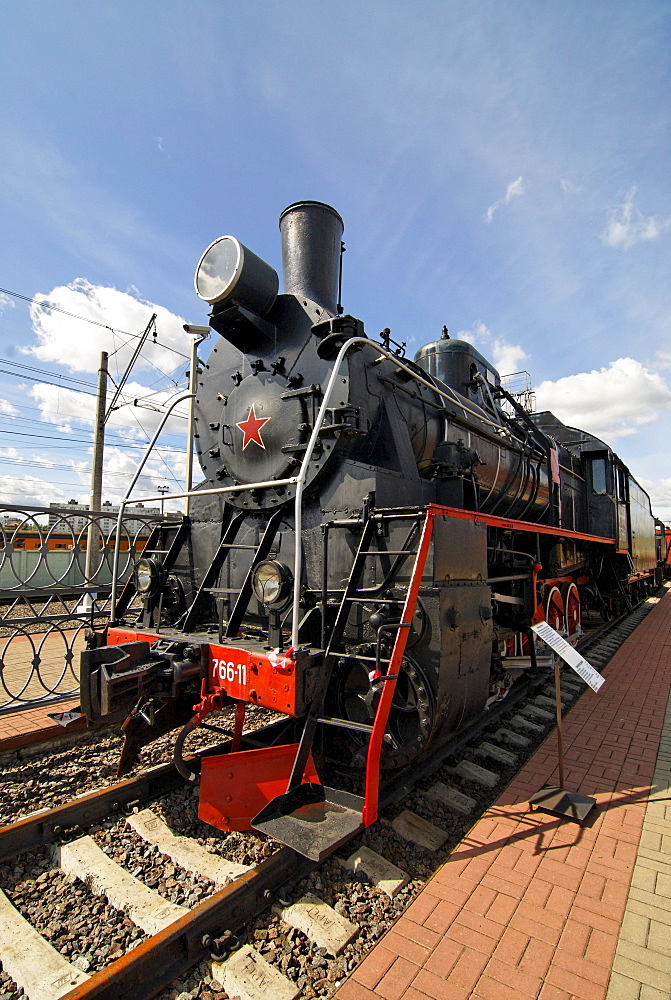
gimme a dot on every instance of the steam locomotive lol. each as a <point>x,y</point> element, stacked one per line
<point>372,541</point>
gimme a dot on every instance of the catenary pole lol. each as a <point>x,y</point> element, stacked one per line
<point>93,536</point>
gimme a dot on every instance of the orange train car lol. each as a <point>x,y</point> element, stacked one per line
<point>32,541</point>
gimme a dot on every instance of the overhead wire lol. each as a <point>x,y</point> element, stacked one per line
<point>126,401</point>
<point>85,319</point>
<point>49,306</point>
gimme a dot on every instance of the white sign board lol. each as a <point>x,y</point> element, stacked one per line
<point>569,655</point>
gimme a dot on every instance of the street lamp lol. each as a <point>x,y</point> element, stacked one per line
<point>163,490</point>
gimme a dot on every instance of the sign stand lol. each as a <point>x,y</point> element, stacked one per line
<point>555,798</point>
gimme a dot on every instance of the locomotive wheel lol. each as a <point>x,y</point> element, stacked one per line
<point>572,612</point>
<point>411,716</point>
<point>554,608</point>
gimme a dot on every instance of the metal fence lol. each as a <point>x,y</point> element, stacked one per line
<point>50,595</point>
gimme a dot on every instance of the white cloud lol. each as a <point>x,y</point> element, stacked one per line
<point>659,491</point>
<point>506,358</point>
<point>569,187</point>
<point>68,341</point>
<point>627,226</point>
<point>7,408</point>
<point>5,302</point>
<point>612,402</point>
<point>514,190</point>
<point>30,491</point>
<point>663,359</point>
<point>136,422</point>
<point>163,468</point>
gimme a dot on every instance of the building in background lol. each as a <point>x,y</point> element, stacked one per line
<point>74,517</point>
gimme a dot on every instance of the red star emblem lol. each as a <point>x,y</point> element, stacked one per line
<point>251,428</point>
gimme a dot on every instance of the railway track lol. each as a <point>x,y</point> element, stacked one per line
<point>159,909</point>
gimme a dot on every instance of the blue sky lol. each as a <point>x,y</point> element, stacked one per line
<point>501,167</point>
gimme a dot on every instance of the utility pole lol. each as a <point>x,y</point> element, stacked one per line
<point>94,536</point>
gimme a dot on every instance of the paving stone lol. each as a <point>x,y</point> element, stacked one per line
<point>644,973</point>
<point>663,887</point>
<point>644,878</point>
<point>319,922</point>
<point>515,739</point>
<point>497,753</point>
<point>85,860</point>
<point>451,797</point>
<point>623,988</point>
<point>469,771</point>
<point>659,938</point>
<point>382,873</point>
<point>650,993</point>
<point>653,864</point>
<point>247,975</point>
<point>184,851</point>
<point>635,928</point>
<point>653,841</point>
<point>417,829</point>
<point>646,956</point>
<point>647,910</point>
<point>32,962</point>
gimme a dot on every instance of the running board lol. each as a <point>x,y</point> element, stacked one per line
<point>312,819</point>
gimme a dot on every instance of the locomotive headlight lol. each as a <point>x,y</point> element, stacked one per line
<point>228,270</point>
<point>147,576</point>
<point>271,582</point>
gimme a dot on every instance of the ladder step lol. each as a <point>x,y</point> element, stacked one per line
<point>389,552</point>
<point>376,600</point>
<point>366,659</point>
<point>312,819</point>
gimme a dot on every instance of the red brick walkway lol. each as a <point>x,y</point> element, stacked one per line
<point>529,905</point>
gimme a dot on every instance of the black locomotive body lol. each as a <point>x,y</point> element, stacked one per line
<point>371,544</point>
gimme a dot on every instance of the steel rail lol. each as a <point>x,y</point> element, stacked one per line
<point>48,825</point>
<point>159,960</point>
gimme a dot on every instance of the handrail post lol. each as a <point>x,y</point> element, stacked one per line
<point>196,340</point>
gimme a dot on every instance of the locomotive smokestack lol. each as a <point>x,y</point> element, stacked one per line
<point>311,247</point>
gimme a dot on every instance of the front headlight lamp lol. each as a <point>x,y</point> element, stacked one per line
<point>148,576</point>
<point>271,581</point>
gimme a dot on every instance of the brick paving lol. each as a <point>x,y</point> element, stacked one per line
<point>40,664</point>
<point>532,906</point>
<point>642,965</point>
<point>34,725</point>
<point>22,726</point>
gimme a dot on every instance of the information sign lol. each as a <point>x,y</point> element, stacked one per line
<point>569,655</point>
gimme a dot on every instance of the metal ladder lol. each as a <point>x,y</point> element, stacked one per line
<point>226,546</point>
<point>315,819</point>
<point>150,550</point>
